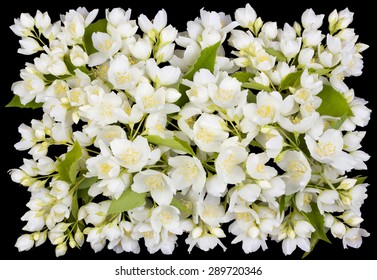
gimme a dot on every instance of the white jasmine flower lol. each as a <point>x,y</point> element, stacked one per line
<point>154,27</point>
<point>78,56</point>
<point>266,110</point>
<point>187,171</point>
<point>361,114</point>
<point>150,100</point>
<point>312,38</point>
<point>59,189</point>
<point>165,53</point>
<point>164,76</point>
<point>327,201</point>
<point>298,123</point>
<point>328,149</point>
<point>310,20</point>
<point>35,221</point>
<point>111,187</point>
<point>166,217</point>
<point>353,237</point>
<point>132,155</point>
<point>263,61</point>
<point>61,249</point>
<point>247,193</point>
<point>216,186</point>
<point>211,211</point>
<point>298,171</point>
<point>297,235</point>
<point>352,218</point>
<point>272,141</point>
<point>337,79</point>
<point>109,133</point>
<point>304,198</point>
<point>141,49</point>
<point>351,141</point>
<point>159,185</point>
<point>107,46</point>
<point>120,20</point>
<point>205,240</point>
<point>281,70</point>
<point>345,17</point>
<point>42,21</point>
<point>357,195</point>
<point>25,242</point>
<point>94,213</point>
<point>209,133</point>
<point>203,82</point>
<point>245,16</point>
<point>127,114</point>
<point>103,166</point>
<point>228,164</point>
<point>22,26</point>
<point>101,108</point>
<point>311,82</point>
<point>29,46</point>
<point>246,227</point>
<point>270,30</point>
<point>94,238</point>
<point>256,168</point>
<point>187,119</point>
<point>338,229</point>
<point>156,123</point>
<point>75,23</point>
<point>290,47</point>
<point>30,86</point>
<point>228,93</point>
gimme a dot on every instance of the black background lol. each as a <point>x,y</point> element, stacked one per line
<point>13,198</point>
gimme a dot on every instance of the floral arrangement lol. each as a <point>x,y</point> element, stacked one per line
<point>233,127</point>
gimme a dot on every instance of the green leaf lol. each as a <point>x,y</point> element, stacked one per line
<point>284,201</point>
<point>206,60</point>
<point>87,183</point>
<point>69,167</point>
<point>75,206</point>
<point>317,221</point>
<point>16,102</point>
<point>254,85</point>
<point>98,26</point>
<point>251,97</point>
<point>290,80</point>
<point>183,208</point>
<point>320,72</point>
<point>278,54</point>
<point>337,124</point>
<point>243,77</point>
<point>333,103</point>
<point>127,201</point>
<point>301,143</point>
<point>313,242</point>
<point>175,143</point>
<point>83,194</point>
<point>71,68</point>
<point>360,180</point>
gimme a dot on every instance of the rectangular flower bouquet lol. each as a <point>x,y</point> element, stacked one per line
<point>234,127</point>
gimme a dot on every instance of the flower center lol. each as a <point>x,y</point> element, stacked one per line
<point>130,157</point>
<point>149,101</point>
<point>326,149</point>
<point>154,182</point>
<point>265,111</point>
<point>228,164</point>
<point>205,135</point>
